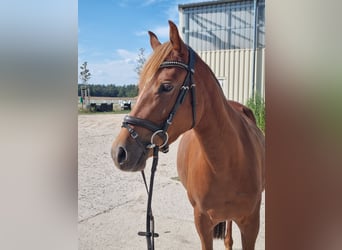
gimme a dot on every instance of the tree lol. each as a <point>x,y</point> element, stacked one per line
<point>140,61</point>
<point>85,91</point>
<point>85,75</point>
<point>109,90</point>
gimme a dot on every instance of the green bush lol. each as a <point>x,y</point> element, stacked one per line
<point>257,105</point>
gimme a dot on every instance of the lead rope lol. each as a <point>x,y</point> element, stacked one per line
<point>130,120</point>
<point>150,234</point>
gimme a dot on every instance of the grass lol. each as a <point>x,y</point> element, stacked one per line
<point>257,105</point>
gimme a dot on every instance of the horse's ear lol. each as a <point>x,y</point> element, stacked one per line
<point>153,40</point>
<point>175,39</point>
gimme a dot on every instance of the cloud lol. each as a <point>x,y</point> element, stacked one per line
<point>128,56</point>
<point>148,2</point>
<point>141,33</point>
<point>118,69</point>
<point>119,72</point>
<point>162,32</point>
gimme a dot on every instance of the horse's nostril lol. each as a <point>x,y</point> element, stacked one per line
<point>121,155</point>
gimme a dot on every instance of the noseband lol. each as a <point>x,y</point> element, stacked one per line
<point>161,131</point>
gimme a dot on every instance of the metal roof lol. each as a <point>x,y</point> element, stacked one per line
<point>209,3</point>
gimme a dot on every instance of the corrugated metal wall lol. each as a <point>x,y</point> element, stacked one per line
<point>223,25</point>
<point>233,68</point>
<point>222,34</point>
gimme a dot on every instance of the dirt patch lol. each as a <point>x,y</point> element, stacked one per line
<point>112,203</point>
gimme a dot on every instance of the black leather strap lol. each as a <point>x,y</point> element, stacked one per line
<point>130,121</point>
<point>141,122</point>
<point>186,86</point>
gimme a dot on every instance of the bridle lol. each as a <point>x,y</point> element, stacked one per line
<point>161,131</point>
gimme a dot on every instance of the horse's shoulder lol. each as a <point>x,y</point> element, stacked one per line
<point>188,137</point>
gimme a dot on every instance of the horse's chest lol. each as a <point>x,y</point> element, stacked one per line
<point>220,195</point>
<point>222,203</point>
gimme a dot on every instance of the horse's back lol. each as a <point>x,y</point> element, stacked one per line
<point>243,110</point>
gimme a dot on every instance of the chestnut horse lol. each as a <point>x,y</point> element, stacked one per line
<point>221,154</point>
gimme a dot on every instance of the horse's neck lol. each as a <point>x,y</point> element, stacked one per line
<point>218,127</point>
<point>217,131</point>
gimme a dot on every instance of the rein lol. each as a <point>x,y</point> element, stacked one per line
<point>150,234</point>
<point>162,133</point>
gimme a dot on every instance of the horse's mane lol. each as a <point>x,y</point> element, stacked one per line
<point>153,63</point>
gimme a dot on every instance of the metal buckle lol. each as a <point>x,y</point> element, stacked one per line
<point>152,145</point>
<point>134,134</point>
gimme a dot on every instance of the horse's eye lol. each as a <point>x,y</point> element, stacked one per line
<point>166,87</point>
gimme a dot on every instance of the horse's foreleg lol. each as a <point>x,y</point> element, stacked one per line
<point>228,240</point>
<point>204,228</point>
<point>249,227</point>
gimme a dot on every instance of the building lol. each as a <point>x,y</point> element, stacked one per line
<point>229,35</point>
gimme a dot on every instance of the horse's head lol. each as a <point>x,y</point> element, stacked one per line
<point>164,108</point>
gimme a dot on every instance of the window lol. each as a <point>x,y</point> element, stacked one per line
<point>223,26</point>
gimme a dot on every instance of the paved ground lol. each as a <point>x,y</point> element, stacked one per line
<point>112,204</point>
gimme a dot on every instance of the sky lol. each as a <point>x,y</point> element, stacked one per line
<point>111,32</point>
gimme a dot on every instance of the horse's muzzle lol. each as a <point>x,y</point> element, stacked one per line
<point>128,156</point>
